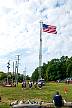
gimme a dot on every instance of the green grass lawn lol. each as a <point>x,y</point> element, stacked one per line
<point>9,94</point>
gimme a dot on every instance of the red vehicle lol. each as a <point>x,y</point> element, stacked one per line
<point>68,80</point>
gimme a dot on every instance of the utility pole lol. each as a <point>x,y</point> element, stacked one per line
<point>8,66</point>
<point>13,74</point>
<point>18,63</point>
<point>18,58</point>
<point>17,68</point>
<point>16,75</point>
<point>13,68</point>
<point>24,74</point>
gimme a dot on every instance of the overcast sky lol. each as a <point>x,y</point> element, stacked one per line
<point>20,27</point>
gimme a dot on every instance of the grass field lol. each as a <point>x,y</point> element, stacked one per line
<point>9,94</point>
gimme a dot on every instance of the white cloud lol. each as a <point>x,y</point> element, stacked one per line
<point>19,29</point>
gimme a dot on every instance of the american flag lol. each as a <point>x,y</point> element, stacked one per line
<point>49,29</point>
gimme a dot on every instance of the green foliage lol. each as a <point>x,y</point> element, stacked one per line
<point>27,77</point>
<point>35,75</point>
<point>55,69</point>
<point>2,75</point>
<point>52,71</point>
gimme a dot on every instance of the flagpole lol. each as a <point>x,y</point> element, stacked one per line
<point>48,29</point>
<point>40,51</point>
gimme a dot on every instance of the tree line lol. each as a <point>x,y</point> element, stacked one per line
<point>55,69</point>
<point>11,77</point>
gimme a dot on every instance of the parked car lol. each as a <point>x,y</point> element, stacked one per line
<point>59,80</point>
<point>42,81</point>
<point>68,80</point>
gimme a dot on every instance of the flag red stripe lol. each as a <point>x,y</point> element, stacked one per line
<point>49,29</point>
<point>54,27</point>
